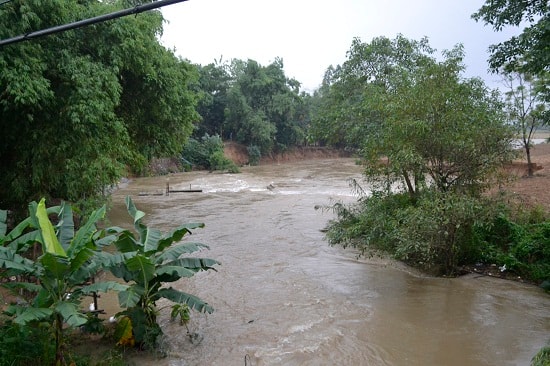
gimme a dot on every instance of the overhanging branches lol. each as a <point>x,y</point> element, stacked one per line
<point>82,23</point>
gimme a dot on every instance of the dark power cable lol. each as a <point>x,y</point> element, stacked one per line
<point>82,23</point>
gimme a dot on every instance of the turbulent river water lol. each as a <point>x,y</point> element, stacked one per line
<point>283,296</point>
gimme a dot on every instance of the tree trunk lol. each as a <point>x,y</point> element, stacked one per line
<point>529,164</point>
<point>410,188</point>
<point>59,357</point>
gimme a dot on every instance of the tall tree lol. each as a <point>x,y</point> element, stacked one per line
<point>528,52</point>
<point>350,105</point>
<point>436,126</point>
<point>213,85</point>
<point>263,106</point>
<point>78,107</point>
<point>413,117</point>
<point>431,141</point>
<point>526,109</point>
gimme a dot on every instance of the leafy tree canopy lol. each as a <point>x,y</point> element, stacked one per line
<point>78,107</point>
<point>431,140</point>
<point>213,85</point>
<point>413,117</point>
<point>529,51</point>
<point>348,102</point>
<point>253,104</point>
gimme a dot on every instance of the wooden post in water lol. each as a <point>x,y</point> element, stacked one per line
<point>167,186</point>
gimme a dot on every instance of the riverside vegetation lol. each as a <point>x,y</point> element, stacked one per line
<point>52,283</point>
<point>81,109</point>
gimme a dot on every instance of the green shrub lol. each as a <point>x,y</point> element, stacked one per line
<point>148,260</point>
<point>26,345</point>
<point>542,358</point>
<point>438,233</point>
<point>254,154</point>
<point>208,153</point>
<point>57,280</point>
<point>435,231</point>
<point>518,237</point>
<point>371,225</point>
<point>218,161</point>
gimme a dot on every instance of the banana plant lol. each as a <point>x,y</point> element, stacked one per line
<point>20,239</point>
<point>146,261</point>
<point>65,264</point>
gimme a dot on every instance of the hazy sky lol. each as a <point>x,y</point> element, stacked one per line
<point>310,35</point>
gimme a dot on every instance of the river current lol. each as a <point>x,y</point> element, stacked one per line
<point>283,296</point>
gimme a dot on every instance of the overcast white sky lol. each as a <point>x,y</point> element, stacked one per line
<point>310,35</point>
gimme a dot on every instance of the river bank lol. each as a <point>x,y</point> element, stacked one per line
<point>239,155</point>
<point>532,191</point>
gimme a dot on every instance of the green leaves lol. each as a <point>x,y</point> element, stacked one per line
<point>31,314</point>
<point>104,286</point>
<point>66,226</point>
<point>50,241</point>
<point>527,52</point>
<point>151,239</point>
<point>413,117</point>
<point>177,234</point>
<point>174,271</point>
<point>78,108</point>
<point>131,296</point>
<point>86,234</point>
<point>148,260</point>
<point>55,265</point>
<point>263,106</point>
<point>183,298</point>
<point>66,262</point>
<point>136,214</point>
<point>143,267</point>
<point>3,226</point>
<point>10,260</point>
<point>175,251</point>
<point>422,130</point>
<point>71,314</point>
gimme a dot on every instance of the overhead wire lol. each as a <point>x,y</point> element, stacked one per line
<point>82,23</point>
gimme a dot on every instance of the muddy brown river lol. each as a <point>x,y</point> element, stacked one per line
<point>283,296</point>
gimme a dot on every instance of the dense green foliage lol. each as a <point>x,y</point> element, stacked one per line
<point>254,154</point>
<point>79,107</point>
<point>60,272</point>
<point>252,104</point>
<point>542,358</point>
<point>522,245</point>
<point>207,153</point>
<point>26,345</point>
<point>56,279</point>
<point>440,233</point>
<point>436,232</point>
<point>146,260</point>
<point>431,142</point>
<point>527,52</point>
<point>212,88</point>
<point>393,100</point>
